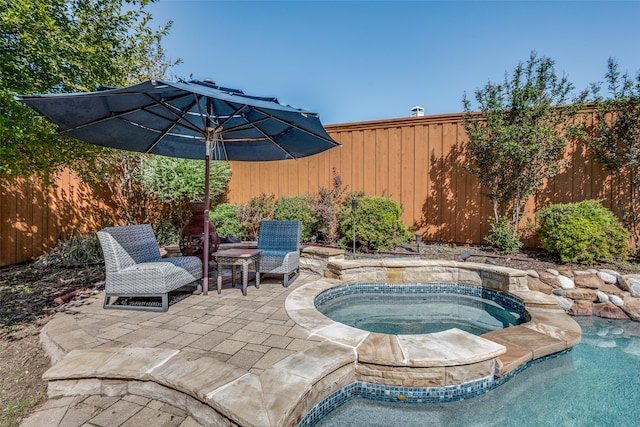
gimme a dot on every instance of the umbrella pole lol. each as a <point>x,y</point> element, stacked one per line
<point>205,254</point>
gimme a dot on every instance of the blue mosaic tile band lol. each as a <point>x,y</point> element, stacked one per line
<point>505,300</point>
<point>412,395</point>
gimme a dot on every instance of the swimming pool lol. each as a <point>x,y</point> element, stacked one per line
<point>597,383</point>
<point>421,308</point>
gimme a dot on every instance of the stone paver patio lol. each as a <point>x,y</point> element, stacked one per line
<point>227,359</point>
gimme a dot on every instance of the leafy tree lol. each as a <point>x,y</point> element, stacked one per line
<point>615,138</point>
<point>519,137</point>
<point>52,46</point>
<point>175,182</point>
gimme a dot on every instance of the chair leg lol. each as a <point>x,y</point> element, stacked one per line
<point>287,280</point>
<point>165,302</point>
<point>106,300</point>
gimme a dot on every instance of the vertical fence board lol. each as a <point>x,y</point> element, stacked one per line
<point>324,172</point>
<point>369,162</point>
<point>358,161</point>
<point>312,182</point>
<point>395,164</point>
<point>381,164</point>
<point>421,178</point>
<point>407,165</point>
<point>437,183</point>
<point>344,158</point>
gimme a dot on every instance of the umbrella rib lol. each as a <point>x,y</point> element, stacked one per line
<point>269,116</point>
<point>249,123</point>
<point>180,117</point>
<point>162,135</point>
<point>294,126</point>
<point>144,108</point>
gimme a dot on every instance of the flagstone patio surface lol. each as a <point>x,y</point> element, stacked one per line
<point>228,359</point>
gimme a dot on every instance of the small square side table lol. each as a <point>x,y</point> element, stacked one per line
<point>234,258</point>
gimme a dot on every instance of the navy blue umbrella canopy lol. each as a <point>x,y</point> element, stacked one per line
<point>192,120</point>
<point>177,118</point>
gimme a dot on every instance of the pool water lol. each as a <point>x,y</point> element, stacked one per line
<point>407,314</point>
<point>596,384</point>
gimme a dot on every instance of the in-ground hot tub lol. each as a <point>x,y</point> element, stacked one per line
<point>421,308</point>
<point>443,366</point>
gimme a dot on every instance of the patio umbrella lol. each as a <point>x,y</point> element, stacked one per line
<point>193,120</point>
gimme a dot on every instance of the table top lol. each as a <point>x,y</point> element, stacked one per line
<point>237,253</point>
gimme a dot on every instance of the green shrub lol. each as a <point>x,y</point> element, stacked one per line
<point>378,223</point>
<point>226,218</point>
<point>258,208</point>
<point>501,237</point>
<point>582,232</point>
<point>78,250</point>
<point>167,233</point>
<point>175,180</point>
<point>296,208</point>
<point>326,207</point>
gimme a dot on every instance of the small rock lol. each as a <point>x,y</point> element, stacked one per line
<point>616,300</point>
<point>565,282</point>
<point>611,272</point>
<point>631,284</point>
<point>610,289</point>
<point>602,297</point>
<point>581,294</point>
<point>490,261</point>
<point>581,308</point>
<point>566,270</point>
<point>565,303</point>
<point>533,273</point>
<point>558,292</point>
<point>535,284</point>
<point>607,277</point>
<point>583,272</point>
<point>632,308</point>
<point>553,271</point>
<point>588,280</point>
<point>609,311</point>
<point>549,279</point>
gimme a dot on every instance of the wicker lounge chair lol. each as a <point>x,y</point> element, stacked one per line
<point>134,267</point>
<point>280,254</point>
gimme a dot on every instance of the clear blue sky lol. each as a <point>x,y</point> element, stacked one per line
<point>354,61</point>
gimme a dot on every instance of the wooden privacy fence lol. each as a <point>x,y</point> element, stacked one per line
<point>33,219</point>
<point>416,161</point>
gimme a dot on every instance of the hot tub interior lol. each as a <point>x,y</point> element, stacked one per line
<point>421,308</point>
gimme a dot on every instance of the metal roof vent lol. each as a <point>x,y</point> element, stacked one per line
<point>417,111</point>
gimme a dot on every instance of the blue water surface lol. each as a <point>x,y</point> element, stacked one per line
<point>408,314</point>
<point>596,384</point>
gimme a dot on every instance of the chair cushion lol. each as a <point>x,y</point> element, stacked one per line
<point>149,278</point>
<point>190,263</point>
<point>274,253</point>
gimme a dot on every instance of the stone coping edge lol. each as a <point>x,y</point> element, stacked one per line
<point>211,391</point>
